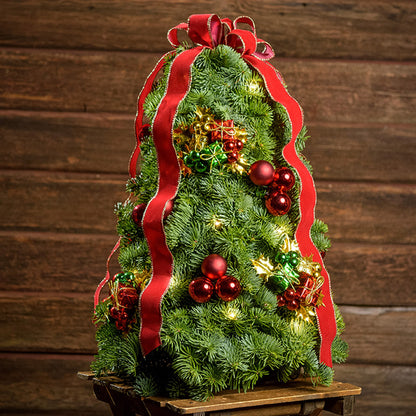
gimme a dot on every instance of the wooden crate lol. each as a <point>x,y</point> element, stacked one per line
<point>298,397</point>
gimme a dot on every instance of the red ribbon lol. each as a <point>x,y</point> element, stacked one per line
<point>169,174</point>
<point>208,31</point>
<point>143,130</point>
<point>107,275</point>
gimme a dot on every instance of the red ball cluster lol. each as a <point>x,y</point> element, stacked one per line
<point>294,298</point>
<point>214,268</point>
<point>279,181</point>
<point>232,147</point>
<point>124,301</point>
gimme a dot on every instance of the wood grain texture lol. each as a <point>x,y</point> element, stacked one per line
<point>40,383</point>
<point>294,391</point>
<point>102,142</point>
<point>52,322</point>
<point>361,274</point>
<point>47,383</point>
<point>75,142</point>
<point>377,29</point>
<point>366,212</point>
<point>362,152</point>
<point>386,390</point>
<point>61,202</point>
<point>64,202</point>
<point>375,334</point>
<point>329,91</point>
<point>45,262</point>
<point>372,274</point>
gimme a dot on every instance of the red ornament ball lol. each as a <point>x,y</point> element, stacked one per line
<point>261,172</point>
<point>228,146</point>
<point>137,214</point>
<point>281,301</point>
<point>289,295</point>
<point>283,179</point>
<point>233,156</point>
<point>238,145</point>
<point>214,266</point>
<point>293,304</point>
<point>278,203</point>
<point>201,289</point>
<point>227,288</point>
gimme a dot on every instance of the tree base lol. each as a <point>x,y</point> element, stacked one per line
<point>298,397</point>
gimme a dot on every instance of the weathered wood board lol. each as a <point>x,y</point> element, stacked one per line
<point>102,142</point>
<point>331,91</point>
<point>356,212</point>
<point>76,263</point>
<point>63,323</point>
<point>377,29</point>
<point>70,73</point>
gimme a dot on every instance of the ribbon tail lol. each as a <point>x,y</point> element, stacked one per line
<point>107,275</point>
<point>307,201</point>
<point>178,85</point>
<point>139,127</point>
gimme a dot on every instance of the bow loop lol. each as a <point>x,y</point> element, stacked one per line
<point>247,21</point>
<point>267,52</point>
<point>242,41</point>
<point>173,34</point>
<point>205,29</point>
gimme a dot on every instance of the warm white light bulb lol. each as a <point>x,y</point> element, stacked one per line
<point>232,313</point>
<point>217,223</point>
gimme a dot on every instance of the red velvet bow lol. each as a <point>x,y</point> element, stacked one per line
<point>209,31</point>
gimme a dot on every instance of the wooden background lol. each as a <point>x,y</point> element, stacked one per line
<point>70,72</point>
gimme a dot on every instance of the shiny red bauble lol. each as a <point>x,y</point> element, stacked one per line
<point>233,156</point>
<point>278,203</point>
<point>284,179</point>
<point>293,304</point>
<point>261,172</point>
<point>201,289</point>
<point>127,297</point>
<point>281,301</point>
<point>229,146</point>
<point>137,214</point>
<point>290,294</point>
<point>238,145</point>
<point>214,266</point>
<point>227,288</point>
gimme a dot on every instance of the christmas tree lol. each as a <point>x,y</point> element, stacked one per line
<point>221,282</point>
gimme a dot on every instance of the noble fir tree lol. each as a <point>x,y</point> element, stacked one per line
<point>241,303</point>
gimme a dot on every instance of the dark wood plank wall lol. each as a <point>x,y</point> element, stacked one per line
<point>70,72</point>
